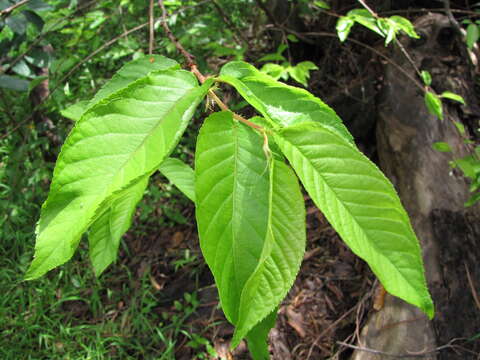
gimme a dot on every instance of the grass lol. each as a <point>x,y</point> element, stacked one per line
<point>70,314</point>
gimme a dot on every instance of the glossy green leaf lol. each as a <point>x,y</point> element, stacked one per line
<point>363,17</point>
<point>251,221</point>
<point>283,251</point>
<point>258,336</point>
<point>441,146</point>
<point>473,34</point>
<point>181,175</point>
<point>273,70</point>
<point>460,127</point>
<point>129,73</point>
<point>426,77</point>
<point>343,27</point>
<point>232,193</point>
<point>469,166</point>
<point>301,71</point>
<point>452,96</point>
<point>434,104</point>
<point>361,205</point>
<point>405,25</point>
<point>322,4</point>
<point>119,140</point>
<point>132,71</point>
<point>105,233</point>
<point>279,103</point>
<point>74,112</point>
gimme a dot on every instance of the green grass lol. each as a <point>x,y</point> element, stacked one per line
<point>69,314</point>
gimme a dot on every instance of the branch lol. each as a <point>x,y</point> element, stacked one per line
<point>400,45</point>
<point>13,7</point>
<point>75,68</point>
<point>190,59</point>
<point>151,32</point>
<point>453,21</point>
<point>420,354</point>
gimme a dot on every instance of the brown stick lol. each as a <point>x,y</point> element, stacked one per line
<point>13,7</point>
<point>190,59</point>
<point>151,39</point>
<point>420,354</point>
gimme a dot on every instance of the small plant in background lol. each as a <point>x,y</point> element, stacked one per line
<point>300,72</point>
<point>473,31</point>
<point>387,28</point>
<point>470,164</point>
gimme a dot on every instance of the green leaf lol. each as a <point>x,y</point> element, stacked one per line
<point>343,27</point>
<point>292,38</point>
<point>74,112</point>
<point>283,251</point>
<point>363,17</point>
<point>181,175</point>
<point>426,77</point>
<point>257,337</point>
<point>472,200</point>
<point>442,146</point>
<point>232,193</point>
<point>405,25</point>
<point>472,35</point>
<point>17,23</point>
<point>34,19</point>
<point>434,104</point>
<point>107,230</point>
<point>13,83</point>
<point>322,4</point>
<point>361,205</point>
<point>272,57</point>
<point>460,127</point>
<point>255,207</point>
<point>280,104</point>
<point>122,138</point>
<point>132,71</point>
<point>273,70</point>
<point>452,96</point>
<point>468,165</point>
<point>129,73</point>
<point>21,68</point>
<point>39,5</point>
<point>301,71</point>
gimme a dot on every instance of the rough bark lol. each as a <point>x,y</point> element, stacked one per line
<point>433,195</point>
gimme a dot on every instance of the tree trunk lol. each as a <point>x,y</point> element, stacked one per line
<point>434,197</point>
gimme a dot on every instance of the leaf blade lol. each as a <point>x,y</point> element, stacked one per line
<point>181,175</point>
<point>362,206</point>
<point>280,103</point>
<point>107,230</point>
<point>231,189</point>
<point>145,120</point>
<point>282,255</point>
